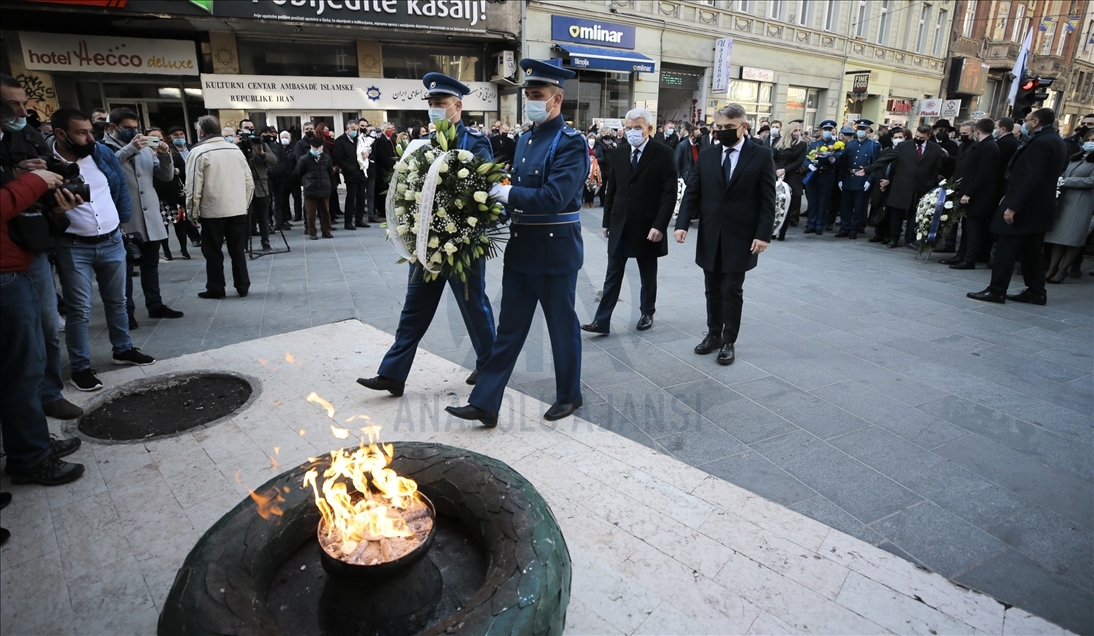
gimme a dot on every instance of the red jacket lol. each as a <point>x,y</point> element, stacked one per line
<point>18,195</point>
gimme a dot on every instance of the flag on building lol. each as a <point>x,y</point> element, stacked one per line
<point>1045,21</point>
<point>1072,23</point>
<point>1020,67</point>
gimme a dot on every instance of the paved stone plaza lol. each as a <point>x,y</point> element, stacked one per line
<point>869,394</point>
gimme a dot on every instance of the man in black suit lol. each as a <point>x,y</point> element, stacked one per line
<point>687,152</point>
<point>915,167</point>
<point>707,138</point>
<point>345,159</point>
<point>638,202</point>
<point>1008,143</point>
<point>504,145</point>
<point>732,190</point>
<point>978,193</point>
<point>1027,211</point>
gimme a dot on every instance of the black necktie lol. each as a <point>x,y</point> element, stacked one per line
<point>727,164</point>
<point>634,161</point>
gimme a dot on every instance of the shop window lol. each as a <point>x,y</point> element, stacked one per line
<point>801,103</point>
<point>314,58</point>
<point>592,95</point>
<point>412,62</point>
<point>756,98</point>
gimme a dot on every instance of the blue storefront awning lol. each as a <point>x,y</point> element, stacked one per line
<point>596,58</point>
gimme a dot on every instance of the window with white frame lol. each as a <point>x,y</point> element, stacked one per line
<point>1061,41</point>
<point>1002,18</point>
<point>742,5</point>
<point>863,13</point>
<point>805,13</point>
<point>939,32</point>
<point>775,9</point>
<point>831,15</point>
<point>970,18</point>
<point>1020,22</point>
<point>921,32</point>
<point>884,22</point>
<point>1047,35</point>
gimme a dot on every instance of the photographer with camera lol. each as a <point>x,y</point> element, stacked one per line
<point>92,247</point>
<point>33,457</point>
<point>260,157</point>
<point>143,163</point>
<point>281,178</point>
<point>23,150</point>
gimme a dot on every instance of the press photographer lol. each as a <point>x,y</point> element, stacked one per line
<point>144,160</point>
<point>260,157</point>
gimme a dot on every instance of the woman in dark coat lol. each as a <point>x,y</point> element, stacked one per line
<point>789,154</point>
<point>316,174</point>
<point>1076,205</point>
<point>324,132</point>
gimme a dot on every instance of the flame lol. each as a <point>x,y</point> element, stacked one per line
<point>315,399</point>
<point>302,432</point>
<point>340,433</point>
<point>269,506</point>
<point>290,358</point>
<point>345,511</point>
<point>263,361</point>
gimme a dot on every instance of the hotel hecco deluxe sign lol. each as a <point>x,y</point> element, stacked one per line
<point>103,54</point>
<point>592,32</point>
<point>272,92</point>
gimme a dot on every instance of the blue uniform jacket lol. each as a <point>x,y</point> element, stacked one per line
<point>858,154</point>
<point>542,186</point>
<point>474,141</point>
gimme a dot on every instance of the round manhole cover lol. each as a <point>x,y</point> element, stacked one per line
<point>165,405</point>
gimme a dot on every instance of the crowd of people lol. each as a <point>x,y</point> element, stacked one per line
<point>94,197</point>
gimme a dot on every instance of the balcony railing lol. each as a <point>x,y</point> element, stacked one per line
<point>996,53</point>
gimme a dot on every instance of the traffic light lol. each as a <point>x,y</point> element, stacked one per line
<point>1031,90</point>
<point>1041,93</point>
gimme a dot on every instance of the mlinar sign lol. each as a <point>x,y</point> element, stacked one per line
<point>594,32</point>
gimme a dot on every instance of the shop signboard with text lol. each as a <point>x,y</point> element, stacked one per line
<point>723,51</point>
<point>592,32</point>
<point>106,54</point>
<point>261,92</point>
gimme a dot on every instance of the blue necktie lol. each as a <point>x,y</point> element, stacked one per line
<point>634,161</point>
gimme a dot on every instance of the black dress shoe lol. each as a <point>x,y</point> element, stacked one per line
<point>596,327</point>
<point>727,355</point>
<point>473,378</point>
<point>163,311</point>
<point>951,261</point>
<point>987,296</point>
<point>963,265</point>
<point>852,236</point>
<point>350,226</point>
<point>842,234</point>
<point>708,345</point>
<point>946,249</point>
<point>560,410</point>
<point>644,323</point>
<point>808,230</point>
<point>380,383</point>
<point>893,244</point>
<point>209,294</point>
<point>488,418</point>
<point>1026,296</point>
<point>877,239</point>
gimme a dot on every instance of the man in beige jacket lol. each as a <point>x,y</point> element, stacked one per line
<point>214,171</point>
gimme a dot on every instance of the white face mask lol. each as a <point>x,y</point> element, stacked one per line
<point>634,137</point>
<point>774,132</point>
<point>896,142</point>
<point>536,111</point>
<point>285,141</point>
<point>437,114</point>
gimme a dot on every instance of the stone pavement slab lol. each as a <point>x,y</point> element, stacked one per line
<point>658,546</point>
<point>906,386</point>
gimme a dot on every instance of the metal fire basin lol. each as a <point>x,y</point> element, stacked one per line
<point>224,585</point>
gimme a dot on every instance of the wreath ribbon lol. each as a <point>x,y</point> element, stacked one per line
<point>425,209</point>
<point>939,208</point>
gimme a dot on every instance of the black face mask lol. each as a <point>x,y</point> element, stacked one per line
<point>309,134</point>
<point>964,138</point>
<point>727,136</point>
<point>920,142</point>
<point>80,151</point>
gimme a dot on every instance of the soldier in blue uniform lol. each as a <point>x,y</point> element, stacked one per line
<point>859,153</point>
<point>818,190</point>
<point>544,252</point>
<point>445,102</point>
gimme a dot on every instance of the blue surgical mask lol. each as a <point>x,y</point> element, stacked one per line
<point>1088,146</point>
<point>861,134</point>
<point>179,141</point>
<point>126,135</point>
<point>827,134</point>
<point>634,137</point>
<point>1025,129</point>
<point>315,152</point>
<point>14,124</point>
<point>230,139</point>
<point>438,114</point>
<point>536,111</point>
<point>352,134</point>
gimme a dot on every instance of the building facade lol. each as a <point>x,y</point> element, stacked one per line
<point>987,38</point>
<point>273,61</point>
<point>781,59</point>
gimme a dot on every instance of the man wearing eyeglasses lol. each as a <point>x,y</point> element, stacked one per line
<point>732,190</point>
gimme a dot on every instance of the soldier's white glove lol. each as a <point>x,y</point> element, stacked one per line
<point>812,167</point>
<point>840,184</point>
<point>866,187</point>
<point>500,192</point>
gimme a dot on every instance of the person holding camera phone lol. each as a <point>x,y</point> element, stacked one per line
<point>92,246</point>
<point>260,158</point>
<point>144,161</point>
<point>32,455</point>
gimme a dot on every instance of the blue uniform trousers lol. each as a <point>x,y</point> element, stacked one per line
<point>421,303</point>
<point>853,212</point>
<point>819,192</point>
<point>520,293</point>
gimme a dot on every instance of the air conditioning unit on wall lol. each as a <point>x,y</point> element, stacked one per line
<point>505,65</point>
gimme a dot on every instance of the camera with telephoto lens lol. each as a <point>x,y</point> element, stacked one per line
<point>73,182</point>
<point>246,142</point>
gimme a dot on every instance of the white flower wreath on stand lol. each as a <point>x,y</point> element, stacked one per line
<point>782,204</point>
